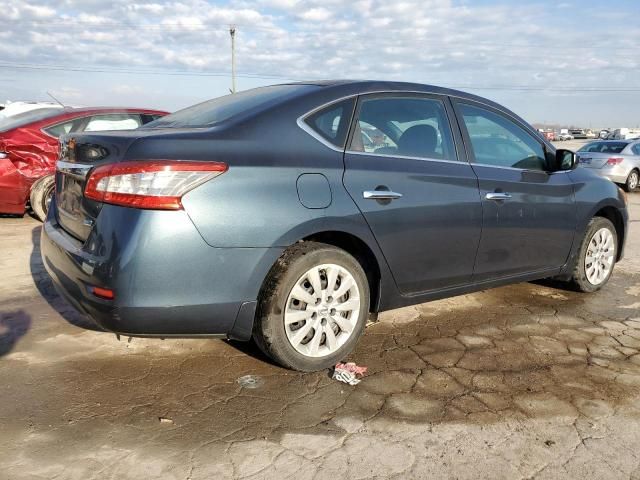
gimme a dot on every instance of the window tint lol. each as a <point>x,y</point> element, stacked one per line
<point>60,129</point>
<point>332,123</point>
<point>636,149</point>
<point>500,142</point>
<point>604,147</point>
<point>409,127</point>
<point>118,121</point>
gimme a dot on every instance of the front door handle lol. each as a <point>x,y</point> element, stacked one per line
<point>381,195</point>
<point>497,196</point>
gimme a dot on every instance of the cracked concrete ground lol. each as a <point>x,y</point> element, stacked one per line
<point>525,381</point>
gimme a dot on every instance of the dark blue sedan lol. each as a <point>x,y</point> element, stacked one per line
<point>289,214</point>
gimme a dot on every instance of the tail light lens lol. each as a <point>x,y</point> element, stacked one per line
<point>613,161</point>
<point>149,184</point>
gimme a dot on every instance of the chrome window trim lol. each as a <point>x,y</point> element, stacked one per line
<point>405,157</point>
<point>305,127</point>
<point>78,170</point>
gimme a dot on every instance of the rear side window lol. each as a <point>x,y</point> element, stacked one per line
<point>636,149</point>
<point>403,126</point>
<point>604,147</point>
<point>499,142</point>
<point>332,122</point>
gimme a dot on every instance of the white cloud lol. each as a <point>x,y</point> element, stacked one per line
<point>432,41</point>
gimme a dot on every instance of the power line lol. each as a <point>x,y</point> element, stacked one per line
<point>261,76</point>
<point>189,26</point>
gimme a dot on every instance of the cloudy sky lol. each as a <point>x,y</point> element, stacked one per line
<point>551,61</point>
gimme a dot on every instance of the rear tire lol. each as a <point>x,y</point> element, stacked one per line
<point>317,333</point>
<point>596,257</point>
<point>41,195</point>
<point>632,181</point>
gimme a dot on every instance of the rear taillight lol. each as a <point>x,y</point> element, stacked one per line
<point>613,161</point>
<point>150,184</point>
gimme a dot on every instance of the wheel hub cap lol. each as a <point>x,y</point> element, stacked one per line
<point>322,310</point>
<point>600,256</point>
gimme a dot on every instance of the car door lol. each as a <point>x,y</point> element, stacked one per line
<point>528,212</point>
<point>416,190</point>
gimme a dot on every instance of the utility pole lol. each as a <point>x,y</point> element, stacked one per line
<point>232,32</point>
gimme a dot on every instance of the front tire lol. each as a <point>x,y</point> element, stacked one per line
<point>313,307</point>
<point>597,256</point>
<point>632,181</point>
<point>41,195</point>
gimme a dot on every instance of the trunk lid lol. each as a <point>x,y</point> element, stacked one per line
<point>78,155</point>
<point>594,159</point>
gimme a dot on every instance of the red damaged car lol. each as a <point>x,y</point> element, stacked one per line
<point>29,149</point>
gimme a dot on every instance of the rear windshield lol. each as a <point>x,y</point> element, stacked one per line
<point>25,118</point>
<point>223,108</point>
<point>604,147</point>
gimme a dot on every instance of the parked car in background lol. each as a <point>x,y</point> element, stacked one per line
<point>564,136</point>
<point>549,135</point>
<point>625,133</point>
<point>29,149</point>
<point>617,160</point>
<point>578,133</point>
<point>270,214</point>
<point>15,108</point>
<point>603,134</point>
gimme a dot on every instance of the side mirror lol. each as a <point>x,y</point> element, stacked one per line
<point>565,160</point>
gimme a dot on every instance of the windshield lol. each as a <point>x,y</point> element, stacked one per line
<point>604,147</point>
<point>223,108</point>
<point>25,118</point>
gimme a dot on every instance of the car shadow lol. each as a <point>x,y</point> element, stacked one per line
<point>44,284</point>
<point>13,326</point>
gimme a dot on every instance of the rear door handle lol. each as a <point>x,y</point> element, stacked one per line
<point>497,196</point>
<point>381,195</point>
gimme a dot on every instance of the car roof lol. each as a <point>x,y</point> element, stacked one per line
<point>388,85</point>
<point>110,109</point>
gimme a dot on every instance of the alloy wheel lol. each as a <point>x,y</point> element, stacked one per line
<point>600,256</point>
<point>322,310</point>
<point>633,180</point>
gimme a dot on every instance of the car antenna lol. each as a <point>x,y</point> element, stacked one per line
<point>57,101</point>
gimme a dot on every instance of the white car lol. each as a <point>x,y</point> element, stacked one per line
<point>564,136</point>
<point>14,108</point>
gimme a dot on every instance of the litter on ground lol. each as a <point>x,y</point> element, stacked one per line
<point>348,373</point>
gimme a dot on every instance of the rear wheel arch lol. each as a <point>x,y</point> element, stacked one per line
<point>360,250</point>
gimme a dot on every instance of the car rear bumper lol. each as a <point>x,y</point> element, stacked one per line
<point>167,281</point>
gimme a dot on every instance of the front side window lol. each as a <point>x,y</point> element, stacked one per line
<point>118,121</point>
<point>499,142</point>
<point>332,122</point>
<point>407,127</point>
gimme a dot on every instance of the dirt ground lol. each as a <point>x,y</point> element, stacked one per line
<point>526,381</point>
